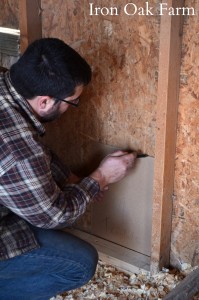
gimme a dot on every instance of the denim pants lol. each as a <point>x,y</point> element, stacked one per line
<point>63,263</point>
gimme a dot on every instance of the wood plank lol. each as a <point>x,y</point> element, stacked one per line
<point>167,106</point>
<point>116,255</point>
<point>186,289</point>
<point>29,22</point>
<point>124,216</point>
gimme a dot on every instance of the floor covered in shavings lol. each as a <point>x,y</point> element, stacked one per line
<point>112,284</point>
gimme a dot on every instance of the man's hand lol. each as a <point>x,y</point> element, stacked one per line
<point>113,168</point>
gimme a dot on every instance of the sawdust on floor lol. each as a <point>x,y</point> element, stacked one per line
<point>112,284</point>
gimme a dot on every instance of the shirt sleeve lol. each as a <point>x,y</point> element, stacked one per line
<point>60,172</point>
<point>30,191</point>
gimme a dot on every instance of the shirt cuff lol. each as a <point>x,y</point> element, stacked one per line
<point>90,186</point>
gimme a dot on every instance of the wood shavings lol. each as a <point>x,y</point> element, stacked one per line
<point>112,284</point>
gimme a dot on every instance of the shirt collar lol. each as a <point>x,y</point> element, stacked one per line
<point>24,105</point>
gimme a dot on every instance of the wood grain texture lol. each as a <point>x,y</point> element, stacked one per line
<point>30,22</point>
<point>185,231</point>
<point>167,106</point>
<point>9,13</point>
<point>119,106</point>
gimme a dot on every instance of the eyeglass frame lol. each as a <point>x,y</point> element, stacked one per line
<point>70,102</point>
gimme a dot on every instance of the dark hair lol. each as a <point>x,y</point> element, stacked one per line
<point>49,67</point>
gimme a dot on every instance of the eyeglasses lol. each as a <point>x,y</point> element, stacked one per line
<point>74,102</point>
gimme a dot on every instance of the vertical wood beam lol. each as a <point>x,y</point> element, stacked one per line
<point>167,108</point>
<point>29,22</point>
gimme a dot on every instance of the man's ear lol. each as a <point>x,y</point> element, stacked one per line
<point>41,104</point>
<point>44,103</point>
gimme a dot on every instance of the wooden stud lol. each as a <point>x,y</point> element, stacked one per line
<point>30,22</point>
<point>167,107</point>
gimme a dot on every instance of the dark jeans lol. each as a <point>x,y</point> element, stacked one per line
<point>63,263</point>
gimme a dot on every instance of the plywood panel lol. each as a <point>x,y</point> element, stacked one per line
<point>9,13</point>
<point>125,216</point>
<point>185,242</point>
<point>119,107</point>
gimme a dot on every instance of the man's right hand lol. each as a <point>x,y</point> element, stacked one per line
<point>113,168</point>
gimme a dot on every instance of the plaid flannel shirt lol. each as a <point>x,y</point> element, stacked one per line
<point>33,182</point>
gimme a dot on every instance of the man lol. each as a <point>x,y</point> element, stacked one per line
<point>37,193</point>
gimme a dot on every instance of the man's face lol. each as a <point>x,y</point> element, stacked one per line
<point>58,108</point>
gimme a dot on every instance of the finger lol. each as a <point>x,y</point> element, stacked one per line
<point>129,160</point>
<point>132,155</point>
<point>105,188</point>
<point>119,153</point>
<point>135,154</point>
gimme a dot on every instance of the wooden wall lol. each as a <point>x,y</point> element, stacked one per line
<point>185,236</point>
<point>9,13</point>
<point>118,108</point>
